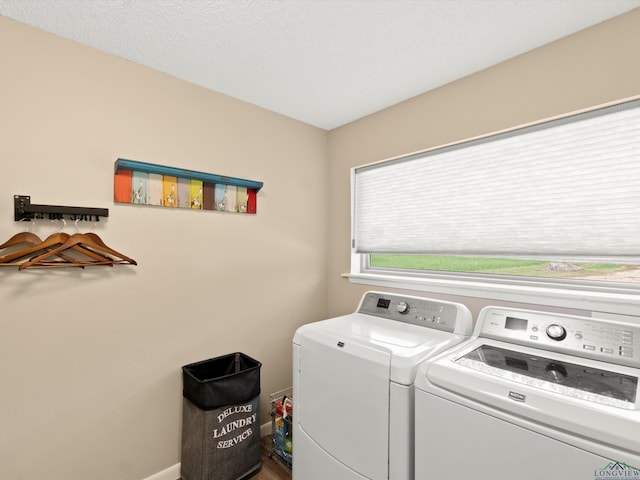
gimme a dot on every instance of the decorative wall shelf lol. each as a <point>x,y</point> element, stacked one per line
<point>134,165</point>
<point>150,184</point>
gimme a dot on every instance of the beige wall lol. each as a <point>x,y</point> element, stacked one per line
<point>90,360</point>
<point>592,67</point>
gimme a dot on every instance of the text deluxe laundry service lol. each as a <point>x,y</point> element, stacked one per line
<point>235,424</point>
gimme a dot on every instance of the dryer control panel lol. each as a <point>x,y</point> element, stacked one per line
<point>425,312</point>
<point>601,339</point>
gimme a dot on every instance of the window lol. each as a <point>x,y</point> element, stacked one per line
<point>554,205</point>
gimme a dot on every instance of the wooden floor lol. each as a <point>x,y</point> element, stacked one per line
<point>272,468</point>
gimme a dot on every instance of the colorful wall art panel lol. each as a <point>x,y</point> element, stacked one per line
<point>143,183</point>
<point>195,194</point>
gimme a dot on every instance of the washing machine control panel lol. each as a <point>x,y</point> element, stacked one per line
<point>420,311</point>
<point>603,339</point>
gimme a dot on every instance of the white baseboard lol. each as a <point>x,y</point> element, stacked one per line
<point>265,429</point>
<point>173,472</point>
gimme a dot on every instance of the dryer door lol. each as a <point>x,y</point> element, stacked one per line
<point>343,401</point>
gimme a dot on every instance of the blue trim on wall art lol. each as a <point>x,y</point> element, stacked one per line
<point>123,163</point>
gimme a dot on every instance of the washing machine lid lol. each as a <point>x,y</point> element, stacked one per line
<point>408,328</point>
<point>563,377</point>
<point>590,399</point>
<point>407,345</point>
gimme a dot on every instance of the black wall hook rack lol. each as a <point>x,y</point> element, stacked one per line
<point>25,210</point>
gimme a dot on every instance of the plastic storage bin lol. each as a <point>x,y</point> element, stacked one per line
<point>220,418</point>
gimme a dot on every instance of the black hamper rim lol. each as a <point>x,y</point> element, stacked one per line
<point>220,386</point>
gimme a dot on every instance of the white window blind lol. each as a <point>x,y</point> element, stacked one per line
<point>568,188</point>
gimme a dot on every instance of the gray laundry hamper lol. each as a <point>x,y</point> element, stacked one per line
<point>220,418</point>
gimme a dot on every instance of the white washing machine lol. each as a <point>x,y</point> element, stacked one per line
<point>353,385</point>
<point>532,395</point>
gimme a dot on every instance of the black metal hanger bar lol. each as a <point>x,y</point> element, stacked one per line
<point>25,210</point>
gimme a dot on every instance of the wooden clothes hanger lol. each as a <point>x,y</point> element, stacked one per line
<point>91,239</point>
<point>88,243</point>
<point>96,238</point>
<point>22,237</point>
<point>49,244</point>
<point>51,241</point>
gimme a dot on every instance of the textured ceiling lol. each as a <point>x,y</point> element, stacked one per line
<point>325,62</point>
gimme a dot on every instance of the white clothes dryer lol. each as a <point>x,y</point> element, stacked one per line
<point>353,385</point>
<point>532,395</point>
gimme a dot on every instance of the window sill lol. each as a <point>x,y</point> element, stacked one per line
<point>616,299</point>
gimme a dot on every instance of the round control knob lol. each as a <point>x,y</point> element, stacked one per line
<point>556,373</point>
<point>403,307</point>
<point>556,332</point>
